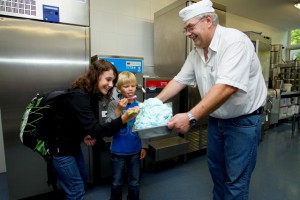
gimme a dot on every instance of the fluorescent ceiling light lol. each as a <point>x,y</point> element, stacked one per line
<point>297,5</point>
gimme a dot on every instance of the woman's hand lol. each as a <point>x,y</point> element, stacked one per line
<point>89,141</point>
<point>130,114</point>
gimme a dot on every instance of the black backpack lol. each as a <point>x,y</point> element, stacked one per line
<point>38,126</point>
<point>39,121</point>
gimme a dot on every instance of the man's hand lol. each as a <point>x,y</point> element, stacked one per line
<point>180,123</point>
<point>89,141</point>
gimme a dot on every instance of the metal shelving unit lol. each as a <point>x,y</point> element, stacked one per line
<point>197,138</point>
<point>288,73</point>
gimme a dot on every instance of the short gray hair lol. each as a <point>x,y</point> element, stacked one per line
<point>213,15</point>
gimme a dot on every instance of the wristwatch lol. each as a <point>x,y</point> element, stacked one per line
<point>193,121</point>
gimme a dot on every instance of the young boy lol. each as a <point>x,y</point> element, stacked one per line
<point>126,148</point>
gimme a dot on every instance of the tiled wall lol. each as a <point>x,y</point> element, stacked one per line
<point>124,27</point>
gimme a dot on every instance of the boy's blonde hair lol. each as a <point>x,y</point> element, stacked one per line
<point>125,78</point>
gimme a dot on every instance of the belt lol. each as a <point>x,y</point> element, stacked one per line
<point>259,111</point>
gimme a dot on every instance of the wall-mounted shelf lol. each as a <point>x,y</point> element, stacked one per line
<point>290,93</point>
<point>287,65</point>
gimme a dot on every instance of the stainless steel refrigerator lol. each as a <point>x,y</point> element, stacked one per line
<point>171,48</point>
<point>44,45</point>
<point>263,45</point>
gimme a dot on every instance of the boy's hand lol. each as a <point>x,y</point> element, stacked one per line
<point>122,103</point>
<point>130,114</point>
<point>143,154</point>
<point>120,107</point>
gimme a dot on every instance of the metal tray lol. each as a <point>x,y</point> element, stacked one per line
<point>153,132</point>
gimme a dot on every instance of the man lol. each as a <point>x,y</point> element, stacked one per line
<point>227,71</point>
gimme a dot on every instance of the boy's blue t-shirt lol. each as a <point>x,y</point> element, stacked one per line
<point>126,142</point>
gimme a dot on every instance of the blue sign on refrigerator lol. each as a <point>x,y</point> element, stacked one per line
<point>51,13</point>
<point>134,65</point>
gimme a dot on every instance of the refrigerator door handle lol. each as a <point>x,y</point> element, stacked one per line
<point>139,86</point>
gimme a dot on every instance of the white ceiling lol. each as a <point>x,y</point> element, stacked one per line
<point>276,13</point>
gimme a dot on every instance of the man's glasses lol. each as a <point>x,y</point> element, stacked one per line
<point>191,27</point>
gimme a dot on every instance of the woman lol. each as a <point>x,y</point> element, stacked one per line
<point>79,123</point>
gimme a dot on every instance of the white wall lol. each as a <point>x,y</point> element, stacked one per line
<point>278,36</point>
<point>125,27</point>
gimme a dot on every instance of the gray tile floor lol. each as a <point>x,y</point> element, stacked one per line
<point>276,176</point>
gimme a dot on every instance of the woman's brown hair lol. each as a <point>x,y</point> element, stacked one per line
<point>89,80</point>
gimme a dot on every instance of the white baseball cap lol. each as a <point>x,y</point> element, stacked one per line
<point>201,7</point>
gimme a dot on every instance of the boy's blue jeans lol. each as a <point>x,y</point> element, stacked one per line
<point>231,154</point>
<point>71,174</point>
<point>119,165</point>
